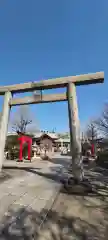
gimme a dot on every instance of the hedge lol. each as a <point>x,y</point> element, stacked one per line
<point>102,159</point>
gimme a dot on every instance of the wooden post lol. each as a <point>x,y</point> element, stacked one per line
<point>74,125</point>
<point>4,125</point>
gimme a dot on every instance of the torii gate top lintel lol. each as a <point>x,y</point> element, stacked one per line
<point>84,79</point>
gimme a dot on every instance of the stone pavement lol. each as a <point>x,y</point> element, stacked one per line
<point>27,195</point>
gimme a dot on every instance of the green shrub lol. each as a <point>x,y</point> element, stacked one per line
<point>12,146</point>
<point>102,159</point>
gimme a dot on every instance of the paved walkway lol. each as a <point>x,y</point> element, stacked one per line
<point>27,195</point>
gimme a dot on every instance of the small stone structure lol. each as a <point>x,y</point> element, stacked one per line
<point>35,151</point>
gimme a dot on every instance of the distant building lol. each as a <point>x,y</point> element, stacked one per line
<point>63,142</point>
<point>49,139</point>
<point>11,134</point>
<point>45,140</point>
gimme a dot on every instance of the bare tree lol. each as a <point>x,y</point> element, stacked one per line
<point>22,120</point>
<point>91,132</point>
<point>102,121</point>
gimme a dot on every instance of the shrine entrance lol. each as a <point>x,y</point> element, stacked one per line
<point>69,83</point>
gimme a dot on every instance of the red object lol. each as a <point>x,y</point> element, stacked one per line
<point>22,140</point>
<point>92,150</point>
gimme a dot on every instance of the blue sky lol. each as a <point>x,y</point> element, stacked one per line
<point>45,39</point>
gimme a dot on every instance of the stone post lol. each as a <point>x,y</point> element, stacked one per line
<point>4,125</point>
<point>74,125</point>
<point>34,149</point>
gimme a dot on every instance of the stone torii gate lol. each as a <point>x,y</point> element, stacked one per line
<point>70,84</point>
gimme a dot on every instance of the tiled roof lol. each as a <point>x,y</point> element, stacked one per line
<point>11,133</point>
<point>66,140</point>
<point>40,134</point>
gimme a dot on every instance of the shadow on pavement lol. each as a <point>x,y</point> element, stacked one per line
<point>98,181</point>
<point>28,224</point>
<point>4,176</point>
<point>61,161</point>
<point>18,168</point>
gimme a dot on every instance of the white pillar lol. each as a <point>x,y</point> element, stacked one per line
<point>4,125</point>
<point>74,125</point>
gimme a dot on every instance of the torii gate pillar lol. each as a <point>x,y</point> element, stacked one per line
<point>74,126</point>
<point>4,125</point>
<point>22,139</point>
